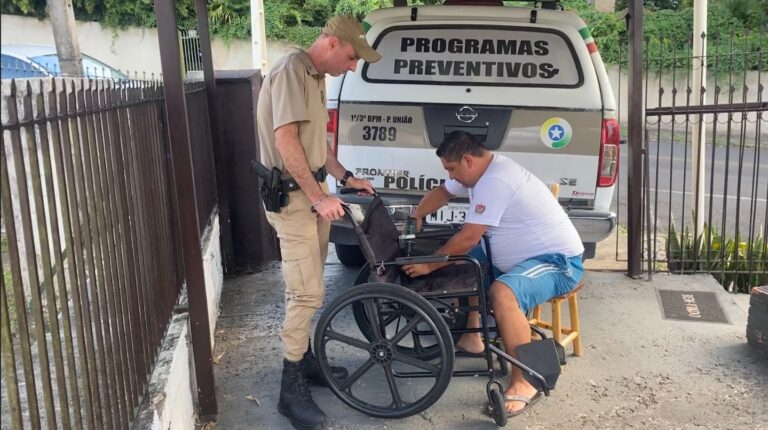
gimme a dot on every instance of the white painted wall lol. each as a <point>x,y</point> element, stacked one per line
<point>132,49</point>
<point>605,5</point>
<point>170,403</point>
<point>212,271</point>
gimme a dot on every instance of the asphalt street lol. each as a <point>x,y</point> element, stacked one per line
<point>736,189</point>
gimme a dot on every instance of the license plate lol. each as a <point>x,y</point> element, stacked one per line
<point>450,214</point>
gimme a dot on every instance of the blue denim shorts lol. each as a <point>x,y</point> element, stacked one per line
<point>538,279</point>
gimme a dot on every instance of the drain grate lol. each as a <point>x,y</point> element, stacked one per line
<point>692,306</point>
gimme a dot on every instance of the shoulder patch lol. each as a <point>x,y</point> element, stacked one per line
<point>479,208</point>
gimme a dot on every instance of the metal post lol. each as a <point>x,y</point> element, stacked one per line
<point>698,149</point>
<point>258,36</point>
<point>178,128</point>
<point>635,141</point>
<point>222,187</point>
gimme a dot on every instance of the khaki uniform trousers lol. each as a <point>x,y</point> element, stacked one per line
<point>304,247</point>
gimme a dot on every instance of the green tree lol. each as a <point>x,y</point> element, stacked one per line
<point>652,4</point>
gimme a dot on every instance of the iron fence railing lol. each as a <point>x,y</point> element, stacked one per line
<point>190,49</point>
<point>202,151</point>
<point>732,115</point>
<point>89,249</point>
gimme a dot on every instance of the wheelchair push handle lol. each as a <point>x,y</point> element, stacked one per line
<point>345,207</point>
<point>347,190</point>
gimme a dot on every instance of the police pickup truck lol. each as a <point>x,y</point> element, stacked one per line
<point>528,82</point>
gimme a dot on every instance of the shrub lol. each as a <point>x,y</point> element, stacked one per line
<point>737,265</point>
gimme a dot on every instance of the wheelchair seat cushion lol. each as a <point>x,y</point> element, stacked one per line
<point>452,278</point>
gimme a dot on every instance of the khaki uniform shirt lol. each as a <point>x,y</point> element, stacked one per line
<point>293,91</point>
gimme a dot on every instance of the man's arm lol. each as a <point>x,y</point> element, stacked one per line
<point>332,165</point>
<point>461,243</point>
<point>295,161</point>
<point>432,201</point>
<point>335,169</point>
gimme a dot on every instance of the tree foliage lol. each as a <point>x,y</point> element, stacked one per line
<point>668,32</point>
<point>669,23</point>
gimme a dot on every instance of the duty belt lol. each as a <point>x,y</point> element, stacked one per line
<point>290,184</point>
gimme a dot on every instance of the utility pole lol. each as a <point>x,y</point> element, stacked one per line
<point>65,35</point>
<point>636,141</point>
<point>258,36</point>
<point>698,149</point>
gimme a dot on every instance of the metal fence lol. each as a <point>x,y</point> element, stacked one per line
<point>90,249</point>
<point>731,113</point>
<point>190,49</point>
<point>202,151</point>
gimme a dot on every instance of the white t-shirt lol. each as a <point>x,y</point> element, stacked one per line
<point>523,219</point>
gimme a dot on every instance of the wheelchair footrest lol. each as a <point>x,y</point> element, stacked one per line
<point>543,358</point>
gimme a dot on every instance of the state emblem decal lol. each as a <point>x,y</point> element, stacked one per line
<point>479,208</point>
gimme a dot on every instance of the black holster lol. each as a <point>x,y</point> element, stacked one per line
<point>272,192</point>
<point>274,189</point>
<point>273,198</point>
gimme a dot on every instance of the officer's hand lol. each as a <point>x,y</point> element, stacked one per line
<point>329,208</point>
<point>360,184</point>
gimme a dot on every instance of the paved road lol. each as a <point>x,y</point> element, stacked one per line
<point>735,194</point>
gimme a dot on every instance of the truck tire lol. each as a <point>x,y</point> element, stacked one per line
<point>757,321</point>
<point>349,255</point>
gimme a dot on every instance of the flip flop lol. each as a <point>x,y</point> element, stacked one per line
<point>528,402</point>
<point>461,352</point>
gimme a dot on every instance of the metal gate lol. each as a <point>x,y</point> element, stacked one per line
<point>726,236</point>
<point>190,44</point>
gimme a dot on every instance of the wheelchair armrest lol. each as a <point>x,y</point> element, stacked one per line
<point>422,259</point>
<point>435,234</point>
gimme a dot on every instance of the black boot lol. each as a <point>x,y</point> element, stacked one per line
<point>311,369</point>
<point>296,401</point>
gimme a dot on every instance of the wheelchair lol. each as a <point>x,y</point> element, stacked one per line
<point>396,334</point>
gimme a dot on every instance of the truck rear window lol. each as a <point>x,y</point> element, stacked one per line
<point>476,55</point>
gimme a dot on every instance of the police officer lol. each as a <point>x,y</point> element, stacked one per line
<point>292,118</point>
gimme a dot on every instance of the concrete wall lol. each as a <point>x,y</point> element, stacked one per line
<point>170,403</point>
<point>213,270</point>
<point>132,49</point>
<point>605,5</point>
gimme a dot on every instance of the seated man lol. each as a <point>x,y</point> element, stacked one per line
<point>535,248</point>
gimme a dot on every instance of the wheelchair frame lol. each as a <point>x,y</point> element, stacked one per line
<point>385,351</point>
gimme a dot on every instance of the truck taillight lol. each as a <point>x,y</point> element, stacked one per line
<point>608,166</point>
<point>332,129</point>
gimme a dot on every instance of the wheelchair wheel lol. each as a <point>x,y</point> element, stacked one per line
<point>422,343</point>
<point>497,403</point>
<point>384,381</point>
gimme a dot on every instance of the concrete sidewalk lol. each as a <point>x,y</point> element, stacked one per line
<point>638,370</point>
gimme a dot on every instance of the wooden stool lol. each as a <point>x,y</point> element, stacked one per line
<point>562,335</point>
